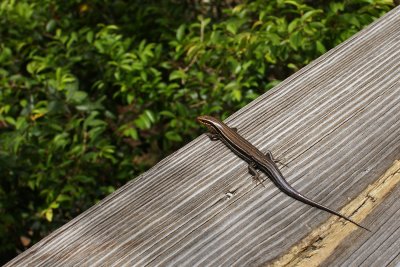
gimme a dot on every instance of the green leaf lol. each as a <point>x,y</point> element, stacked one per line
<point>130,98</point>
<point>95,122</point>
<point>310,14</point>
<point>150,115</point>
<point>293,67</point>
<point>232,28</point>
<point>131,132</point>
<point>180,32</point>
<point>173,136</point>
<point>89,36</point>
<point>320,47</point>
<point>49,215</point>
<point>63,198</point>
<point>60,140</point>
<point>77,96</point>
<point>336,7</point>
<point>177,74</point>
<point>142,122</point>
<point>232,86</point>
<point>269,57</point>
<point>167,113</point>
<point>10,120</point>
<point>293,25</point>
<point>237,94</point>
<point>295,40</point>
<point>21,123</point>
<point>292,2</point>
<point>51,25</point>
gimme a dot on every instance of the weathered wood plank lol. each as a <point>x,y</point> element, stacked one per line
<point>335,122</point>
<point>327,244</point>
<point>382,248</point>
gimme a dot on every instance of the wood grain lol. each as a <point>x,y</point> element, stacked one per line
<point>336,123</point>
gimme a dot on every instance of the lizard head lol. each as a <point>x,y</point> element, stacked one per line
<point>210,122</point>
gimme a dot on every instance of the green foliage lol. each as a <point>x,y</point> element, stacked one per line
<point>92,94</point>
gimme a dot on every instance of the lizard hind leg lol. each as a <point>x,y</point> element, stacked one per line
<point>255,173</point>
<point>269,155</point>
